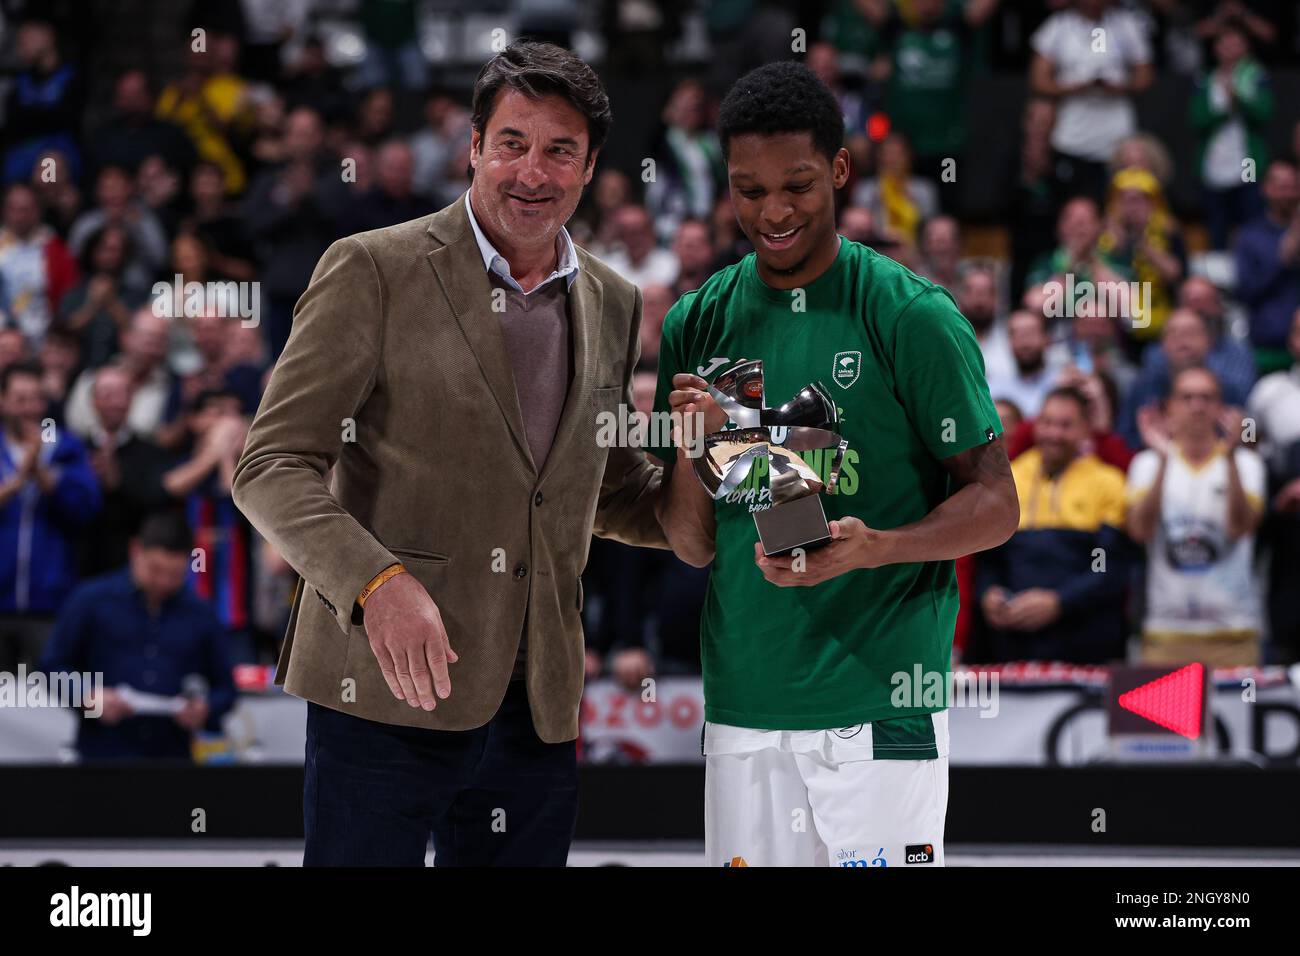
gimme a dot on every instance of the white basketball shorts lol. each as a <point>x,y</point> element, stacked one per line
<point>821,798</point>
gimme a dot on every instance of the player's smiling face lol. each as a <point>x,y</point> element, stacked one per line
<point>783,191</point>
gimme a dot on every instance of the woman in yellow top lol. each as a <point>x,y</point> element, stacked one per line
<point>899,202</point>
<point>1142,236</point>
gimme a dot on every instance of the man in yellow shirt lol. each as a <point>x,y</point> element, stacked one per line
<point>1055,590</point>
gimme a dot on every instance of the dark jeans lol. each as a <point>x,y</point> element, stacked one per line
<point>493,796</point>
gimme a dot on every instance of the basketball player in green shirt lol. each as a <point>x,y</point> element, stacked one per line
<point>821,746</point>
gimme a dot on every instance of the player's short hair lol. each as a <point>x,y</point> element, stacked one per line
<point>782,97</point>
<point>536,69</point>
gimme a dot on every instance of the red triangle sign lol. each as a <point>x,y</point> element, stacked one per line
<point>1175,701</point>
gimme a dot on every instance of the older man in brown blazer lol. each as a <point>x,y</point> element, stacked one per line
<point>451,370</point>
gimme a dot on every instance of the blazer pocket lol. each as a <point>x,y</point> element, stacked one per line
<point>414,554</point>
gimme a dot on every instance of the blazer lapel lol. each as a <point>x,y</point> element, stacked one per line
<point>459,268</point>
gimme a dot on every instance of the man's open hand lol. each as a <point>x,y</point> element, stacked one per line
<point>409,641</point>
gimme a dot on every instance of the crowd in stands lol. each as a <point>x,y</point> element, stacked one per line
<point>1153,419</point>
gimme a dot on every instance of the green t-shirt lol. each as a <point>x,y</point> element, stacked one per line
<point>906,371</point>
<point>926,92</point>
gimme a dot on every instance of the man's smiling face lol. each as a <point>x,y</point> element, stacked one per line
<point>530,166</point>
<point>783,191</point>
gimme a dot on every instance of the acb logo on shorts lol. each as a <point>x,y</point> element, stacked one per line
<point>919,853</point>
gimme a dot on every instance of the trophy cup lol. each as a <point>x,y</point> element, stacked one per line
<point>808,421</point>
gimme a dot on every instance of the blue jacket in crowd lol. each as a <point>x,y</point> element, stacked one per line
<point>37,531</point>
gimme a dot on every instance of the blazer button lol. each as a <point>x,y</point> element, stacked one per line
<point>521,570</point>
<point>537,500</point>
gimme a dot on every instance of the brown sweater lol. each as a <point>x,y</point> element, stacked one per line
<point>538,340</point>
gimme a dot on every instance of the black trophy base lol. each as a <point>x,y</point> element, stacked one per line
<point>796,524</point>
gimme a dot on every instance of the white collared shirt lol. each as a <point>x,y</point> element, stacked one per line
<point>494,262</point>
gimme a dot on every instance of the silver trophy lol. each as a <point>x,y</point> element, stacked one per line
<point>808,421</point>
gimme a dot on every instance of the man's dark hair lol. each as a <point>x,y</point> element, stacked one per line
<point>1235,24</point>
<point>1070,394</point>
<point>32,368</point>
<point>212,395</point>
<point>537,69</point>
<point>63,335</point>
<point>782,97</point>
<point>87,258</point>
<point>695,221</point>
<point>167,530</point>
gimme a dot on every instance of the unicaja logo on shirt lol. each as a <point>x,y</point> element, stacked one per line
<point>848,366</point>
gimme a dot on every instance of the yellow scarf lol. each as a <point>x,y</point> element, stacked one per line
<point>1156,234</point>
<point>901,213</point>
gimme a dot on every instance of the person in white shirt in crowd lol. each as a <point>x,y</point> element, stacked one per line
<point>118,205</point>
<point>1090,343</point>
<point>1091,58</point>
<point>1195,498</point>
<point>939,252</point>
<point>155,395</point>
<point>899,201</point>
<point>977,297</point>
<point>1032,375</point>
<point>36,269</point>
<point>1274,404</point>
<point>638,259</point>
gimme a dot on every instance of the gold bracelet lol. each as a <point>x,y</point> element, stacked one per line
<point>392,571</point>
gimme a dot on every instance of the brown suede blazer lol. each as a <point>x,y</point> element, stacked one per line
<point>396,375</point>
